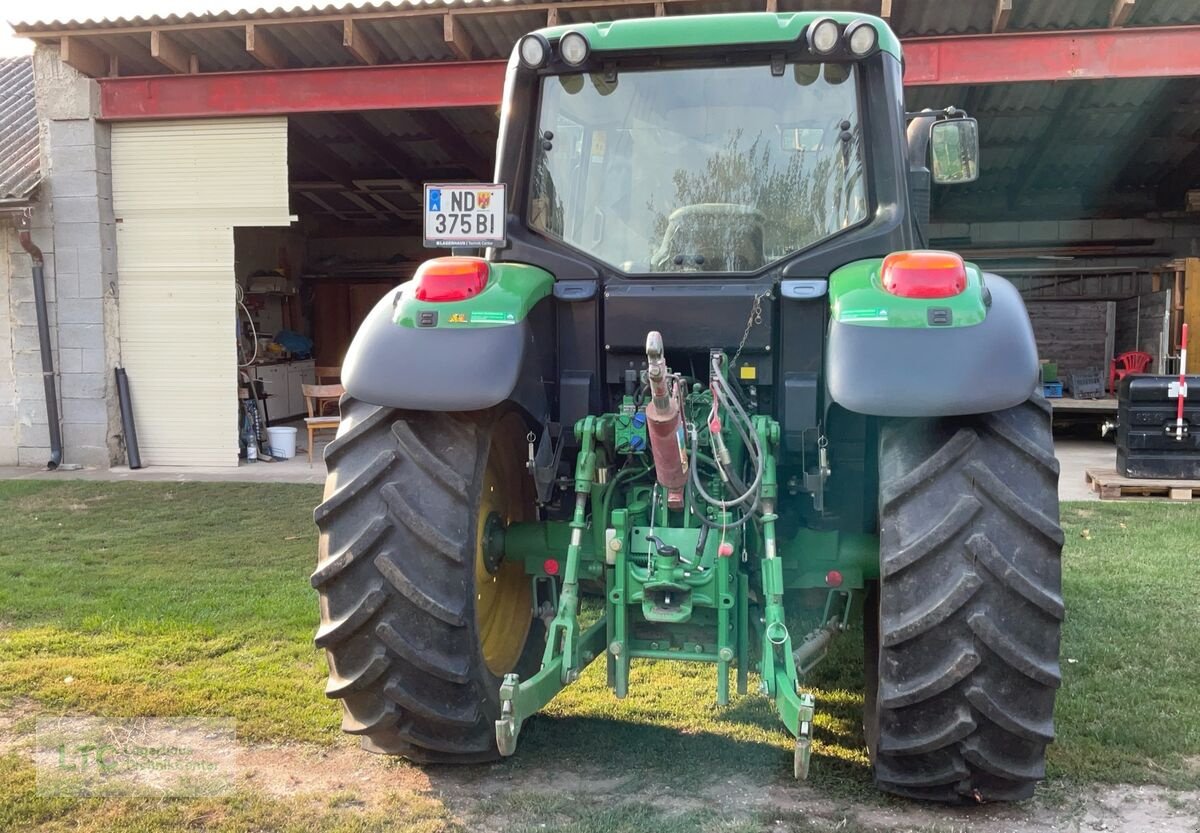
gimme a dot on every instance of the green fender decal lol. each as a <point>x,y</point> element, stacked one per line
<point>712,30</point>
<point>511,292</point>
<point>857,296</point>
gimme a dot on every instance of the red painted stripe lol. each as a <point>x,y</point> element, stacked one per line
<point>325,90</point>
<point>1172,51</point>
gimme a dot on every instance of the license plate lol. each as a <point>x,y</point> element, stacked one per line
<point>464,214</point>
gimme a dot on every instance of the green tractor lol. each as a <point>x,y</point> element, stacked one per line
<point>691,387</point>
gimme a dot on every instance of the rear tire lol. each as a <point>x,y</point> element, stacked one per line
<point>417,631</point>
<point>961,706</point>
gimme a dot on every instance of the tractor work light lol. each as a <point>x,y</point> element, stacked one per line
<point>574,49</point>
<point>861,38</point>
<point>450,279</point>
<point>534,50</point>
<point>823,36</point>
<point>923,274</point>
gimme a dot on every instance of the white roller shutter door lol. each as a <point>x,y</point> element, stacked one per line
<point>179,188</point>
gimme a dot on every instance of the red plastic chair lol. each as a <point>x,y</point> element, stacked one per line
<point>1134,361</point>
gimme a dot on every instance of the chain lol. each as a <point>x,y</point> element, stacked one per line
<point>754,318</point>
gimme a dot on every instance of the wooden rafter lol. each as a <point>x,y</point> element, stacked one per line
<point>1120,13</point>
<point>83,55</point>
<point>885,10</point>
<point>264,48</point>
<point>167,51</point>
<point>1001,15</point>
<point>458,41</point>
<point>358,44</point>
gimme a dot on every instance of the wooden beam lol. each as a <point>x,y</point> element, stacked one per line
<point>457,147</point>
<point>772,6</point>
<point>114,66</point>
<point>264,48</point>
<point>660,10</point>
<point>552,16</point>
<point>1001,15</point>
<point>83,56</point>
<point>357,43</point>
<point>456,38</point>
<point>168,52</point>
<point>1121,11</point>
<point>1191,306</point>
<point>885,9</point>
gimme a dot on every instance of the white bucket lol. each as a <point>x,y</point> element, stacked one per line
<point>282,442</point>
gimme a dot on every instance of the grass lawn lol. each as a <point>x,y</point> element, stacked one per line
<point>167,599</point>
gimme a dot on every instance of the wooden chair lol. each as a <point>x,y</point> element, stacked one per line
<point>315,398</point>
<point>328,376</point>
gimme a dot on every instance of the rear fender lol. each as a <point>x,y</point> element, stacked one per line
<point>457,356</point>
<point>905,357</point>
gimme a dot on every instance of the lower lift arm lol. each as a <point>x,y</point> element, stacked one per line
<point>566,653</point>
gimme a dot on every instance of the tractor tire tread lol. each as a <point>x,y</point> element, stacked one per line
<point>970,606</point>
<point>397,605</point>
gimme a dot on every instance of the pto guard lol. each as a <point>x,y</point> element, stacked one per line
<point>898,371</point>
<point>445,369</point>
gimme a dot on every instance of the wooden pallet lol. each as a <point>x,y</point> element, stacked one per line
<point>1113,486</point>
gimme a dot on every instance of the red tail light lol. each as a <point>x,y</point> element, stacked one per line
<point>924,274</point>
<point>450,279</point>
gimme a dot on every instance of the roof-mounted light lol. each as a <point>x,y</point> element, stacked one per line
<point>534,51</point>
<point>861,38</point>
<point>823,36</point>
<point>573,48</point>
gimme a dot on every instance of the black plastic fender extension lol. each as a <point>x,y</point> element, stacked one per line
<point>444,369</point>
<point>938,371</point>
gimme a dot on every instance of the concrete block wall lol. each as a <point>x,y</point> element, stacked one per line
<point>79,188</point>
<point>30,430</point>
<point>8,391</point>
<point>74,227</point>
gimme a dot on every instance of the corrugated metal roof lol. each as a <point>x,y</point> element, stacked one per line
<point>231,12</point>
<point>20,167</point>
<point>916,17</point>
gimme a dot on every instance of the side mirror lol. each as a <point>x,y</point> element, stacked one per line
<point>954,151</point>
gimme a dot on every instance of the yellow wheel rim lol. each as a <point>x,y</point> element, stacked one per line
<point>502,596</point>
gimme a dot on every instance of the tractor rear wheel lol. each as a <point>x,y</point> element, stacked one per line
<point>961,703</point>
<point>420,615</point>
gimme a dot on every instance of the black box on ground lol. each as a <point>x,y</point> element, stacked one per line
<point>1146,438</point>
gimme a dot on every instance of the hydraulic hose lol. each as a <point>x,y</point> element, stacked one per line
<point>745,428</point>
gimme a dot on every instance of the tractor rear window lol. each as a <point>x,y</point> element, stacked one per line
<point>719,169</point>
